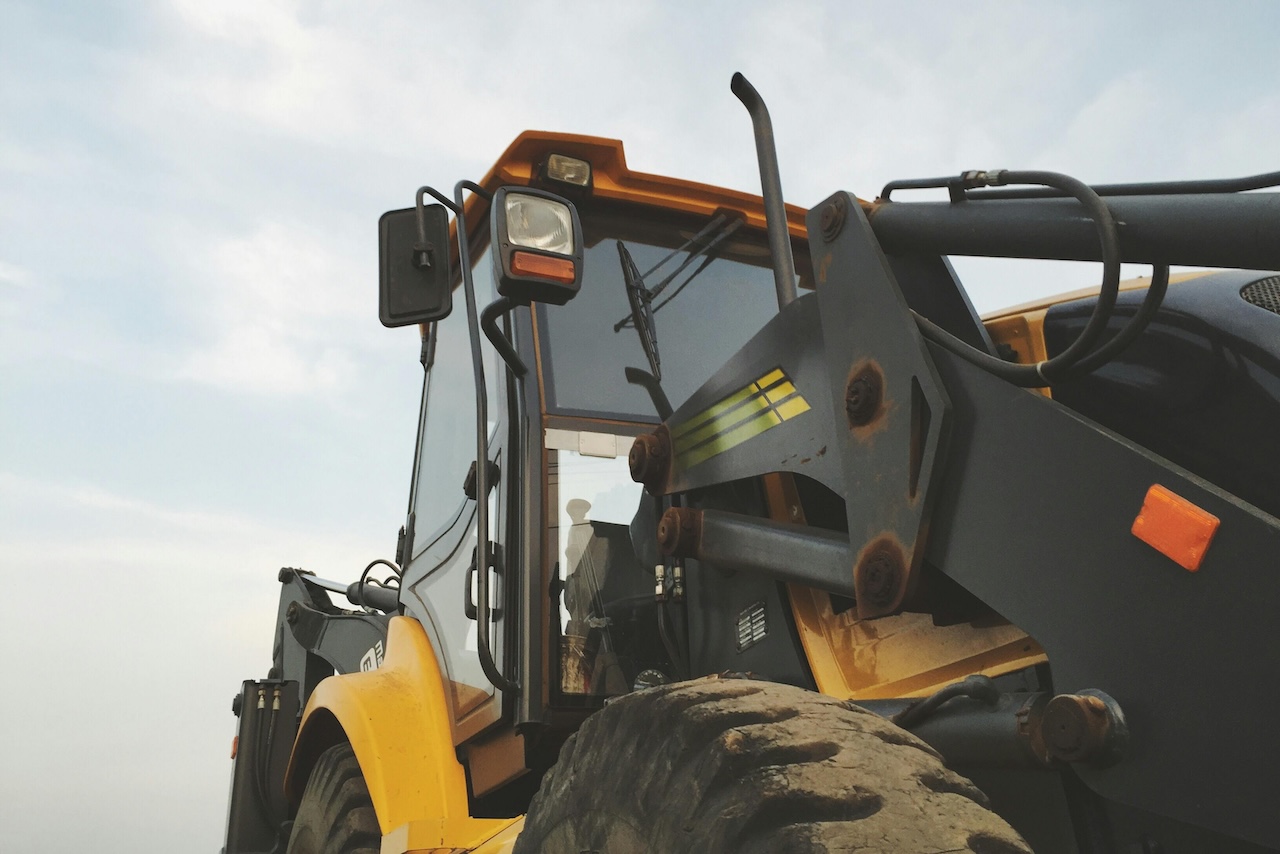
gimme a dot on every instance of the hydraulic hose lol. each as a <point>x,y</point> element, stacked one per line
<point>1046,372</point>
<point>1150,305</point>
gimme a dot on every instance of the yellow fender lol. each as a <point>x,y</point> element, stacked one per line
<point>397,721</point>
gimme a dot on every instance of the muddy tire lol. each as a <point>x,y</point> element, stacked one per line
<point>735,765</point>
<point>336,815</point>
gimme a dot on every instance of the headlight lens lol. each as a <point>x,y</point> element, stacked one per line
<point>539,224</point>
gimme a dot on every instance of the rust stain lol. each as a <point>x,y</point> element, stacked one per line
<point>823,266</point>
<point>880,576</point>
<point>880,418</point>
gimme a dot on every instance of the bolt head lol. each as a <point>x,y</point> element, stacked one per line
<point>832,219</point>
<point>881,579</point>
<point>863,396</point>
<point>1075,727</point>
<point>649,459</point>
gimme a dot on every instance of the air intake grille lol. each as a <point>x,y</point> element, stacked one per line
<point>1264,293</point>
<point>752,626</point>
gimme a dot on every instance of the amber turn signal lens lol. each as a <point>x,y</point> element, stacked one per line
<point>543,266</point>
<point>1175,527</point>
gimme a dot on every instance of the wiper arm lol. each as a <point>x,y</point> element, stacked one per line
<point>641,299</point>
<point>715,241</point>
<point>720,228</point>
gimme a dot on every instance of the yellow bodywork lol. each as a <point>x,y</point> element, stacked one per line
<point>396,719</point>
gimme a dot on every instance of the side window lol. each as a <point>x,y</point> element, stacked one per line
<point>447,442</point>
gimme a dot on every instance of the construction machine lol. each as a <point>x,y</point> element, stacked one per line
<point>733,527</point>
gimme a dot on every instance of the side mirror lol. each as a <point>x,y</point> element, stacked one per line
<point>537,239</point>
<point>413,263</point>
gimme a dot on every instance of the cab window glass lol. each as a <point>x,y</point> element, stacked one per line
<point>448,439</point>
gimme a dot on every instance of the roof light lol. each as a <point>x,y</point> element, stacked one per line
<point>568,170</point>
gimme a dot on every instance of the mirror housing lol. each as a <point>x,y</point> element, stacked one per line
<point>415,281</point>
<point>537,239</point>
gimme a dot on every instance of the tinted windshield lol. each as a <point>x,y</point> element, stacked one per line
<point>699,324</point>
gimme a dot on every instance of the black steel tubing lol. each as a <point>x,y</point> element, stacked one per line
<point>1153,188</point>
<point>489,323</point>
<point>482,451</point>
<point>1203,230</point>
<point>375,596</point>
<point>775,211</point>
<point>796,553</point>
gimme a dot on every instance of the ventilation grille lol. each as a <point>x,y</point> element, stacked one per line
<point>752,626</point>
<point>1264,293</point>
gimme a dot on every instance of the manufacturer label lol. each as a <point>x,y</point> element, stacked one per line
<point>372,659</point>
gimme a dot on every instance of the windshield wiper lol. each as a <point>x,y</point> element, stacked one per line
<point>715,232</point>
<point>641,299</point>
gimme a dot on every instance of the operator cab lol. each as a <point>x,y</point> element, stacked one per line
<point>666,300</point>
<point>666,289</point>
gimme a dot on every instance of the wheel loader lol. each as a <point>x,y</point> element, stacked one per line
<point>733,528</point>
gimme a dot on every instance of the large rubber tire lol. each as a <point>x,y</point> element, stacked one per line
<point>736,765</point>
<point>336,815</point>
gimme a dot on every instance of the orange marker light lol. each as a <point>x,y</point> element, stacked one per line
<point>543,266</point>
<point>1175,527</point>
<point>235,745</point>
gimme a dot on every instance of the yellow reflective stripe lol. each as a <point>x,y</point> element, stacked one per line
<point>746,413</point>
<point>708,414</point>
<point>771,378</point>
<point>711,412</point>
<point>734,437</point>
<point>780,392</point>
<point>792,407</point>
<point>749,408</point>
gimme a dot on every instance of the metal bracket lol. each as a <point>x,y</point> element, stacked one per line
<point>893,408</point>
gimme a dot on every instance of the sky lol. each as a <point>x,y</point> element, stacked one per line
<point>195,389</point>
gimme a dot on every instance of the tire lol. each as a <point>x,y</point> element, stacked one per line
<point>336,814</point>
<point>735,765</point>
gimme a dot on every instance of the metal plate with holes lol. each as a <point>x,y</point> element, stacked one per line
<point>1264,293</point>
<point>893,411</point>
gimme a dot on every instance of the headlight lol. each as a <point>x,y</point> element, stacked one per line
<point>539,223</point>
<point>537,240</point>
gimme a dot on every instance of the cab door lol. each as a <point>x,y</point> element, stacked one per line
<point>441,528</point>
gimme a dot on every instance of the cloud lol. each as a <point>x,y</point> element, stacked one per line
<point>138,620</point>
<point>276,306</point>
<point>16,285</point>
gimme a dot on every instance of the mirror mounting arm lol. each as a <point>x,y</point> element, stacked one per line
<point>488,322</point>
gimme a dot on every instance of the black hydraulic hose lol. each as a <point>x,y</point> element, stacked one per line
<point>775,212</point>
<point>1150,305</point>
<point>258,772</point>
<point>482,449</point>
<point>1045,373</point>
<point>266,756</point>
<point>377,561</point>
<point>673,652</point>
<point>980,688</point>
